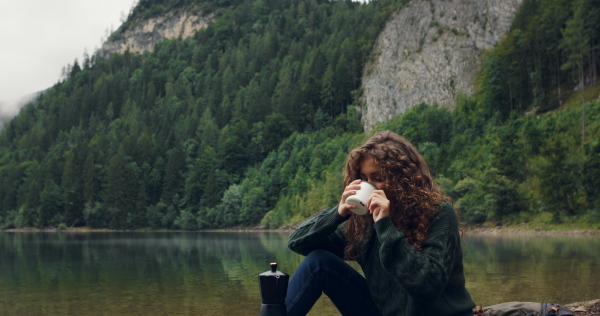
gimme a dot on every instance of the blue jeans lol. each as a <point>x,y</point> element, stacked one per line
<point>323,272</point>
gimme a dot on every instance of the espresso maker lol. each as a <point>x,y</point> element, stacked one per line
<point>273,289</point>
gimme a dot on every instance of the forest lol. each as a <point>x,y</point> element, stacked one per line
<point>249,123</point>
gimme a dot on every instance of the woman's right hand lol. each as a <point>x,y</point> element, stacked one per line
<point>344,209</point>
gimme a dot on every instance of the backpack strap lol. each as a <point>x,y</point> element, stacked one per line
<point>552,310</point>
<point>555,310</point>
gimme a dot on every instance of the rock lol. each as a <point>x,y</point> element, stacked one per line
<point>588,308</point>
<point>580,309</point>
<point>429,52</point>
<point>147,33</point>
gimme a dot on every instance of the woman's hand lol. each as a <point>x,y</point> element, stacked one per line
<point>344,209</point>
<point>379,205</point>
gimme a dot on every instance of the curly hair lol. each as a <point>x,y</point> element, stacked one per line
<point>410,189</point>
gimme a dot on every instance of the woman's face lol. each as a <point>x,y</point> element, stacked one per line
<point>369,171</point>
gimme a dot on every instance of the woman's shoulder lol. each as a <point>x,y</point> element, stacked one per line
<point>444,225</point>
<point>445,206</point>
<point>446,213</point>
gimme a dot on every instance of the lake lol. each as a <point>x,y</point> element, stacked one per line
<point>215,273</point>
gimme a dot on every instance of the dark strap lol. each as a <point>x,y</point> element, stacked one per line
<point>555,310</point>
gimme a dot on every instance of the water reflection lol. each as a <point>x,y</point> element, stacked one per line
<point>216,273</point>
<point>527,268</point>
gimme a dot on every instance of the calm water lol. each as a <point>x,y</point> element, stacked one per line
<point>216,273</point>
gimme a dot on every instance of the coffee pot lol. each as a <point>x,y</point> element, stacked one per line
<point>273,289</point>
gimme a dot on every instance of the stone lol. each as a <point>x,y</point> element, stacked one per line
<point>147,33</point>
<point>429,52</point>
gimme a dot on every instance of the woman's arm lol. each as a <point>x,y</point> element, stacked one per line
<point>424,274</point>
<point>325,230</point>
<point>321,232</point>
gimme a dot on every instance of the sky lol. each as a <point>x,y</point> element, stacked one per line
<point>40,37</point>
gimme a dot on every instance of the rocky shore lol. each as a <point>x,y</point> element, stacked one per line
<point>496,231</point>
<point>589,308</point>
<point>537,231</point>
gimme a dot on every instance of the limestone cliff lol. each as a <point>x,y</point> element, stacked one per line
<point>428,52</point>
<point>147,33</point>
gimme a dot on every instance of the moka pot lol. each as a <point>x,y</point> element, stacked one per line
<point>273,289</point>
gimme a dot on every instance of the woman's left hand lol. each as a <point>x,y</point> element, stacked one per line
<point>379,205</point>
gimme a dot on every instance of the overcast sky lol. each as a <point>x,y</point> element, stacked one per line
<point>40,37</point>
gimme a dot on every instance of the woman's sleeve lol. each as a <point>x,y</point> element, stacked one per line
<point>325,231</point>
<point>424,274</point>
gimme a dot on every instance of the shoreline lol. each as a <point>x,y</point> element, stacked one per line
<point>533,232</point>
<point>480,231</point>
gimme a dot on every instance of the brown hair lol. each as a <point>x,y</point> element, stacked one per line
<point>413,195</point>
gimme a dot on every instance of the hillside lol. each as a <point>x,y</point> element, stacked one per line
<point>429,52</point>
<point>248,121</point>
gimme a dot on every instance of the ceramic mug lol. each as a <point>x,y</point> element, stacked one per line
<point>361,198</point>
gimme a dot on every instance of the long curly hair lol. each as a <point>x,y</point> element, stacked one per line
<point>410,188</point>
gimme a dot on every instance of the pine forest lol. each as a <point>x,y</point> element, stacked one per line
<point>249,123</point>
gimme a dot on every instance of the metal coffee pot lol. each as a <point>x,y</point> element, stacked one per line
<point>273,289</point>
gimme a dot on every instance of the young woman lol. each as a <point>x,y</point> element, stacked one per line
<point>408,244</point>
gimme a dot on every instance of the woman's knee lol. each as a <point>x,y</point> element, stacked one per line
<point>320,254</point>
<point>322,262</point>
<point>322,258</point>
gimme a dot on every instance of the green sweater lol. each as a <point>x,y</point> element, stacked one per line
<point>401,280</point>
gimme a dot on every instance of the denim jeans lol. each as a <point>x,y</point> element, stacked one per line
<point>323,272</point>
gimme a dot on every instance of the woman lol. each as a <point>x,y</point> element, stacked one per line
<point>408,244</point>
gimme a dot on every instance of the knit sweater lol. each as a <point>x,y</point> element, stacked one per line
<point>401,280</point>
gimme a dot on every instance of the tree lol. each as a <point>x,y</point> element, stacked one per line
<point>577,45</point>
<point>72,186</point>
<point>228,211</point>
<point>327,89</point>
<point>174,170</point>
<point>51,205</point>
<point>277,128</point>
<point>122,193</point>
<point>201,187</point>
<point>254,206</point>
<point>553,18</point>
<point>232,150</point>
<point>591,174</point>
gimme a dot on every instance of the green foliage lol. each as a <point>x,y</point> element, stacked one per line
<point>508,169</point>
<point>155,140</point>
<point>51,206</point>
<point>302,194</point>
<point>250,122</point>
<point>95,215</point>
<point>186,220</point>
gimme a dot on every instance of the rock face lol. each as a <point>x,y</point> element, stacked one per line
<point>145,34</point>
<point>428,52</point>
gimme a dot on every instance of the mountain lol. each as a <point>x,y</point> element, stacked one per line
<point>146,33</point>
<point>248,121</point>
<point>11,108</point>
<point>150,139</point>
<point>429,52</point>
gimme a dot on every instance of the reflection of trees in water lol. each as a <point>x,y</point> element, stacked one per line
<point>147,252</point>
<point>197,271</point>
<point>276,245</point>
<point>531,268</point>
<point>131,273</point>
<point>522,246</point>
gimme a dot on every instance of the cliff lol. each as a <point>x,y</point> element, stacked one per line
<point>428,52</point>
<point>147,33</point>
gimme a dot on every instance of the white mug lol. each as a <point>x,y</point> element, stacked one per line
<point>361,198</point>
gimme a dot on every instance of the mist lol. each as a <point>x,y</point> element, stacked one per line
<point>10,108</point>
